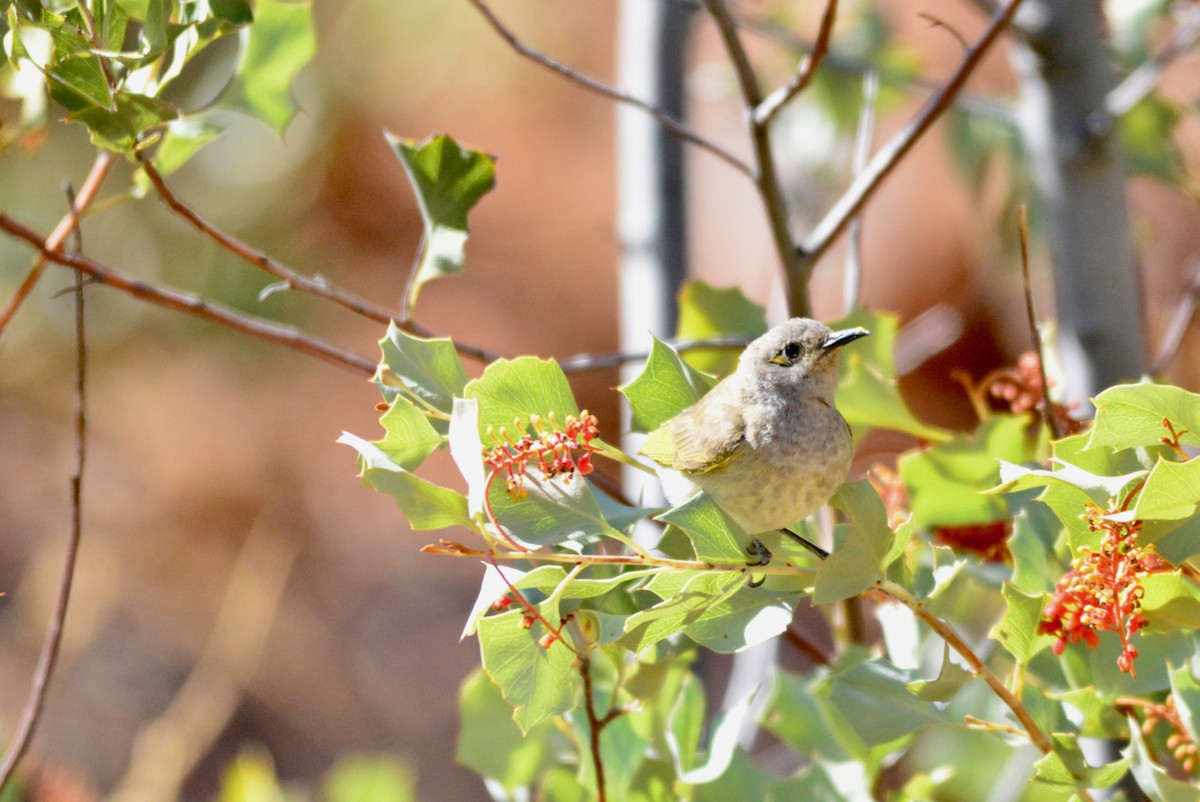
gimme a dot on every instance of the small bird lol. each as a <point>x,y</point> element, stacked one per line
<point>767,443</point>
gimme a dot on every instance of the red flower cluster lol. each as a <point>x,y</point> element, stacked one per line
<point>1102,591</point>
<point>551,448</point>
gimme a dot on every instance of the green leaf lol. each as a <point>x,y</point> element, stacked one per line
<point>714,535</point>
<point>949,682</point>
<point>551,511</point>
<point>448,181</point>
<point>84,79</point>
<point>1015,478</point>
<point>747,618</point>
<point>1187,700</point>
<point>1172,491</point>
<point>235,12</point>
<point>665,387</point>
<point>701,591</point>
<point>685,726</point>
<point>1017,631</point>
<point>120,130</point>
<point>182,139</point>
<point>1131,415</point>
<point>873,699</point>
<point>1170,603</point>
<point>517,389</point>
<point>1066,766</point>
<point>1031,571</point>
<point>706,313</point>
<point>858,560</point>
<point>1152,778</point>
<point>946,482</point>
<point>427,370</point>
<point>722,744</point>
<point>1147,136</point>
<point>370,779</point>
<point>867,393</point>
<point>489,741</point>
<point>538,682</point>
<point>410,438</point>
<point>277,46</point>
<point>1100,718</point>
<point>426,505</point>
<point>800,719</point>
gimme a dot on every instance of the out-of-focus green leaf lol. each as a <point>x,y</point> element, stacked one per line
<point>134,117</point>
<point>706,313</point>
<point>182,139</point>
<point>858,560</point>
<point>361,778</point>
<point>1172,491</point>
<point>1152,778</point>
<point>873,699</point>
<point>250,778</point>
<point>538,682</point>
<point>278,45</point>
<point>1100,718</point>
<point>867,393</point>
<point>715,536</point>
<point>1131,415</point>
<point>489,741</point>
<point>1156,652</point>
<point>1147,135</point>
<point>448,181</point>
<point>1171,603</point>
<point>82,77</point>
<point>950,680</point>
<point>1017,631</point>
<point>678,610</point>
<point>1187,700</point>
<point>685,727</point>
<point>516,389</point>
<point>1066,766</point>
<point>946,481</point>
<point>426,505</point>
<point>798,718</point>
<point>428,370</point>
<point>235,12</point>
<point>665,387</point>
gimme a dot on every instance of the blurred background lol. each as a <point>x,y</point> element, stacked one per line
<point>234,574</point>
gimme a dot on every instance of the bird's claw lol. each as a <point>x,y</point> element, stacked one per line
<point>762,556</point>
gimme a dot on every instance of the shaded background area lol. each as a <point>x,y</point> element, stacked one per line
<point>213,456</point>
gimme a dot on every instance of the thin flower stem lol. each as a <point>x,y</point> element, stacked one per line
<point>189,304</point>
<point>48,658</point>
<point>669,123</point>
<point>87,193</point>
<point>956,643</point>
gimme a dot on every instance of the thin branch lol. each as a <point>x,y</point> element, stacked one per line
<point>766,178</point>
<point>890,155</point>
<point>1180,320</point>
<point>614,359</point>
<point>1141,82</point>
<point>956,643</point>
<point>806,646</point>
<point>50,647</point>
<point>935,22</point>
<point>673,126</point>
<point>87,193</point>
<point>852,290</point>
<point>190,304</point>
<point>1035,334</point>
<point>595,726</point>
<point>774,102</point>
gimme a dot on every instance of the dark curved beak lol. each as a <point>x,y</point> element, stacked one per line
<point>839,338</point>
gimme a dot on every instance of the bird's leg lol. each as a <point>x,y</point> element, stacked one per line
<point>817,550</point>
<point>762,556</point>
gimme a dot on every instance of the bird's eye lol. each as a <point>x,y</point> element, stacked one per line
<point>792,351</point>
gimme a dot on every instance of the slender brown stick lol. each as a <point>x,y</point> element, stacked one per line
<point>672,126</point>
<point>774,102</point>
<point>87,193</point>
<point>956,643</point>
<point>190,304</point>
<point>766,177</point>
<point>50,647</point>
<point>807,647</point>
<point>1034,333</point>
<point>614,359</point>
<point>890,155</point>
<point>595,726</point>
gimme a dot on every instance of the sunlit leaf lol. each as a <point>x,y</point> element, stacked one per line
<point>538,682</point>
<point>1018,630</point>
<point>706,313</point>
<point>516,389</point>
<point>370,779</point>
<point>426,505</point>
<point>277,46</point>
<point>666,386</point>
<point>490,743</point>
<point>715,536</point>
<point>1132,415</point>
<point>427,370</point>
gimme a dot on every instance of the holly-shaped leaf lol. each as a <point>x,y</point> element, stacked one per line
<point>512,390</point>
<point>539,681</point>
<point>428,371</point>
<point>1130,415</point>
<point>665,387</point>
<point>426,505</point>
<point>1018,630</point>
<point>448,181</point>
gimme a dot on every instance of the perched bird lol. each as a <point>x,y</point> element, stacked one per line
<point>767,443</point>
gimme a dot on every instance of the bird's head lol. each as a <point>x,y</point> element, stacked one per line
<point>799,353</point>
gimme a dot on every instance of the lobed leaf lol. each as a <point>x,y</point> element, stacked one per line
<point>1130,415</point>
<point>706,313</point>
<point>1017,632</point>
<point>426,505</point>
<point>537,682</point>
<point>427,370</point>
<point>666,386</point>
<point>512,390</point>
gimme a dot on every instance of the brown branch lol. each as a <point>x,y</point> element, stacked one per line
<point>805,646</point>
<point>595,726</point>
<point>796,270</point>
<point>980,670</point>
<point>774,102</point>
<point>190,304</point>
<point>1034,334</point>
<point>48,658</point>
<point>614,359</point>
<point>672,126</point>
<point>865,185</point>
<point>87,193</point>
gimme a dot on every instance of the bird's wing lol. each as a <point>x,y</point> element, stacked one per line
<point>700,439</point>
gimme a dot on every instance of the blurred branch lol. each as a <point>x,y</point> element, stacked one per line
<point>50,647</point>
<point>190,304</point>
<point>774,102</point>
<point>852,284</point>
<point>87,193</point>
<point>167,749</point>
<point>766,179</point>
<point>886,159</point>
<point>1184,312</point>
<point>675,127</point>
<point>614,359</point>
<point>1141,82</point>
<point>1035,334</point>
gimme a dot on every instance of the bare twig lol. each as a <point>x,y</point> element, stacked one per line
<point>595,726</point>
<point>1141,82</point>
<point>1034,333</point>
<point>806,646</point>
<point>852,290</point>
<point>87,193</point>
<point>935,22</point>
<point>766,178</point>
<point>673,126</point>
<point>774,102</point>
<point>50,647</point>
<point>190,304</point>
<point>613,359</point>
<point>886,159</point>
<point>1185,310</point>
